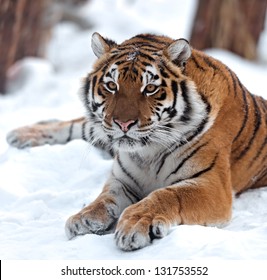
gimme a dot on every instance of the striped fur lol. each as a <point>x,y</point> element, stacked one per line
<point>184,132</point>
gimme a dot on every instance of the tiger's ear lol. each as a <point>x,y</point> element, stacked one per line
<point>101,45</point>
<point>179,51</point>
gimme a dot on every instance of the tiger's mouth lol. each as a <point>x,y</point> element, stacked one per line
<point>128,143</point>
<point>125,140</point>
<point>134,138</point>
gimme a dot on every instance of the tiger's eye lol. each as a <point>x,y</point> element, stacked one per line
<point>111,86</point>
<point>150,88</point>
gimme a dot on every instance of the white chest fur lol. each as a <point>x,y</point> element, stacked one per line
<point>151,170</point>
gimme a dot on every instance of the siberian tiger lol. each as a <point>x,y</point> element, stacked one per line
<point>184,132</point>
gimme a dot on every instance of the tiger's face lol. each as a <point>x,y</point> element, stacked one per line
<point>137,96</point>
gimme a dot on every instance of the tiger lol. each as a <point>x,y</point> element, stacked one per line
<point>185,134</point>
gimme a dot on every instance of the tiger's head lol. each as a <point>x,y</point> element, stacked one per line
<point>138,95</point>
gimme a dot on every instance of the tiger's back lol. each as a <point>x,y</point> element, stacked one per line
<point>241,121</point>
<point>184,132</point>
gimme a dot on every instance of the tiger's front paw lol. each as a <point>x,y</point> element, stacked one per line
<point>98,219</point>
<point>24,137</point>
<point>34,135</point>
<point>137,228</point>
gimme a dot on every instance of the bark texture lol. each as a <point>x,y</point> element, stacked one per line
<point>234,25</point>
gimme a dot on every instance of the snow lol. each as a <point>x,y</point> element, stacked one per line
<point>41,187</point>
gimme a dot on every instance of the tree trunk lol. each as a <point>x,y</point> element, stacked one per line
<point>234,25</point>
<point>22,32</point>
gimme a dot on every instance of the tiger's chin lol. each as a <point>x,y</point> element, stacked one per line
<point>127,144</point>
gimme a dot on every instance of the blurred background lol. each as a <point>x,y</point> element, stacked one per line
<point>27,27</point>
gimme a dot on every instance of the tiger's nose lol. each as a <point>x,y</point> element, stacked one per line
<point>125,126</point>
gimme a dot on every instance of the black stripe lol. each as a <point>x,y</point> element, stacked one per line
<point>169,125</point>
<point>205,100</point>
<point>263,103</point>
<point>125,69</point>
<point>163,156</point>
<point>186,159</point>
<point>108,75</point>
<point>159,116</point>
<point>135,157</point>
<point>144,63</point>
<point>70,132</point>
<point>209,61</point>
<point>111,43</point>
<point>264,160</point>
<point>118,57</point>
<point>187,110</point>
<point>163,73</point>
<point>140,45</point>
<point>149,48</point>
<point>264,143</point>
<point>163,83</point>
<point>203,123</point>
<point>100,93</point>
<point>126,172</point>
<point>96,105</point>
<point>261,176</point>
<point>144,141</point>
<point>162,96</point>
<point>174,87</point>
<point>83,132</point>
<point>125,48</point>
<point>150,38</point>
<point>158,104</point>
<point>94,84</point>
<point>199,173</point>
<point>233,77</point>
<point>115,51</point>
<point>171,111</point>
<point>127,194</point>
<point>197,131</point>
<point>105,66</point>
<point>165,67</point>
<point>86,86</point>
<point>205,170</point>
<point>133,194</point>
<point>257,123</point>
<point>148,57</point>
<point>134,71</point>
<point>197,64</point>
<point>245,119</point>
<point>120,62</point>
<point>141,54</point>
<point>91,135</point>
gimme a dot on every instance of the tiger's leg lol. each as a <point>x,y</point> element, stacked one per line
<point>47,132</point>
<point>202,202</point>
<point>100,217</point>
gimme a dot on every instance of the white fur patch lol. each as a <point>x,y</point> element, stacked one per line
<point>131,56</point>
<point>114,73</point>
<point>148,77</point>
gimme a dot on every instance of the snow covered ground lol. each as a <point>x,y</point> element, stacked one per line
<point>41,187</point>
